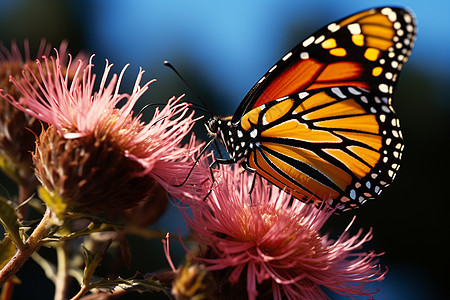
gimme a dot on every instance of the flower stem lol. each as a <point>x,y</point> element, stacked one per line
<point>61,275</point>
<point>7,289</point>
<point>83,290</point>
<point>30,246</point>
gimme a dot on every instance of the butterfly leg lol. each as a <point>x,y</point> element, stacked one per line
<point>251,188</point>
<point>195,163</point>
<point>211,167</point>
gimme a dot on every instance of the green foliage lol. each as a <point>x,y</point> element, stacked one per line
<point>9,169</point>
<point>62,233</point>
<point>137,283</point>
<point>9,219</point>
<point>92,260</point>
<point>133,284</point>
<point>54,201</point>
<point>7,250</point>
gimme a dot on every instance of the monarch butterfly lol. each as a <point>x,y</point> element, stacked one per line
<point>320,123</point>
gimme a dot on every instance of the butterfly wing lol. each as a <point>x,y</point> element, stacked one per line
<point>364,50</point>
<point>341,144</point>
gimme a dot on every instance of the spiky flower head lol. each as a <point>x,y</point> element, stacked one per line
<point>18,130</point>
<point>271,246</point>
<point>94,156</point>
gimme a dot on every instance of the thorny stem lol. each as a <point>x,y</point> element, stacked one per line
<point>61,275</point>
<point>30,246</point>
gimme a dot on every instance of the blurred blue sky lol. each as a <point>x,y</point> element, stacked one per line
<point>233,43</point>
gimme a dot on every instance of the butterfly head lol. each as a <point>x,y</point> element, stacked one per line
<point>232,137</point>
<point>216,125</point>
<point>213,126</point>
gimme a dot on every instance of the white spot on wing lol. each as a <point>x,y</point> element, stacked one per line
<point>304,55</point>
<point>337,91</point>
<point>395,133</point>
<point>383,88</point>
<point>354,28</point>
<point>307,42</point>
<point>320,39</point>
<point>354,91</point>
<point>287,56</point>
<point>385,109</point>
<point>407,18</point>
<point>333,27</point>
<point>303,95</point>
<point>377,190</point>
<point>262,79</point>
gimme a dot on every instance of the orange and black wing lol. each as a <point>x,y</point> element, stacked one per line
<point>341,145</point>
<point>364,50</point>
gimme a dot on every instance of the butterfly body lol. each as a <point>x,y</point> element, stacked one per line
<point>320,122</point>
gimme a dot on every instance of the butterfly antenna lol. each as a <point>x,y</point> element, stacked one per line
<point>205,108</point>
<point>168,64</point>
<point>149,105</point>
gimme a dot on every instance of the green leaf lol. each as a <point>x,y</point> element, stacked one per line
<point>9,169</point>
<point>7,251</point>
<point>133,284</point>
<point>10,221</point>
<point>92,260</point>
<point>53,201</point>
<point>61,234</point>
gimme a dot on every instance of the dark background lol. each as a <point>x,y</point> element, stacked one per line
<point>222,50</point>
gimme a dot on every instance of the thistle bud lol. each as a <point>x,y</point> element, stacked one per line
<point>191,282</point>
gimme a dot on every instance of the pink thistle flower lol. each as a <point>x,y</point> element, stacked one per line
<point>17,129</point>
<point>95,155</point>
<point>272,247</point>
